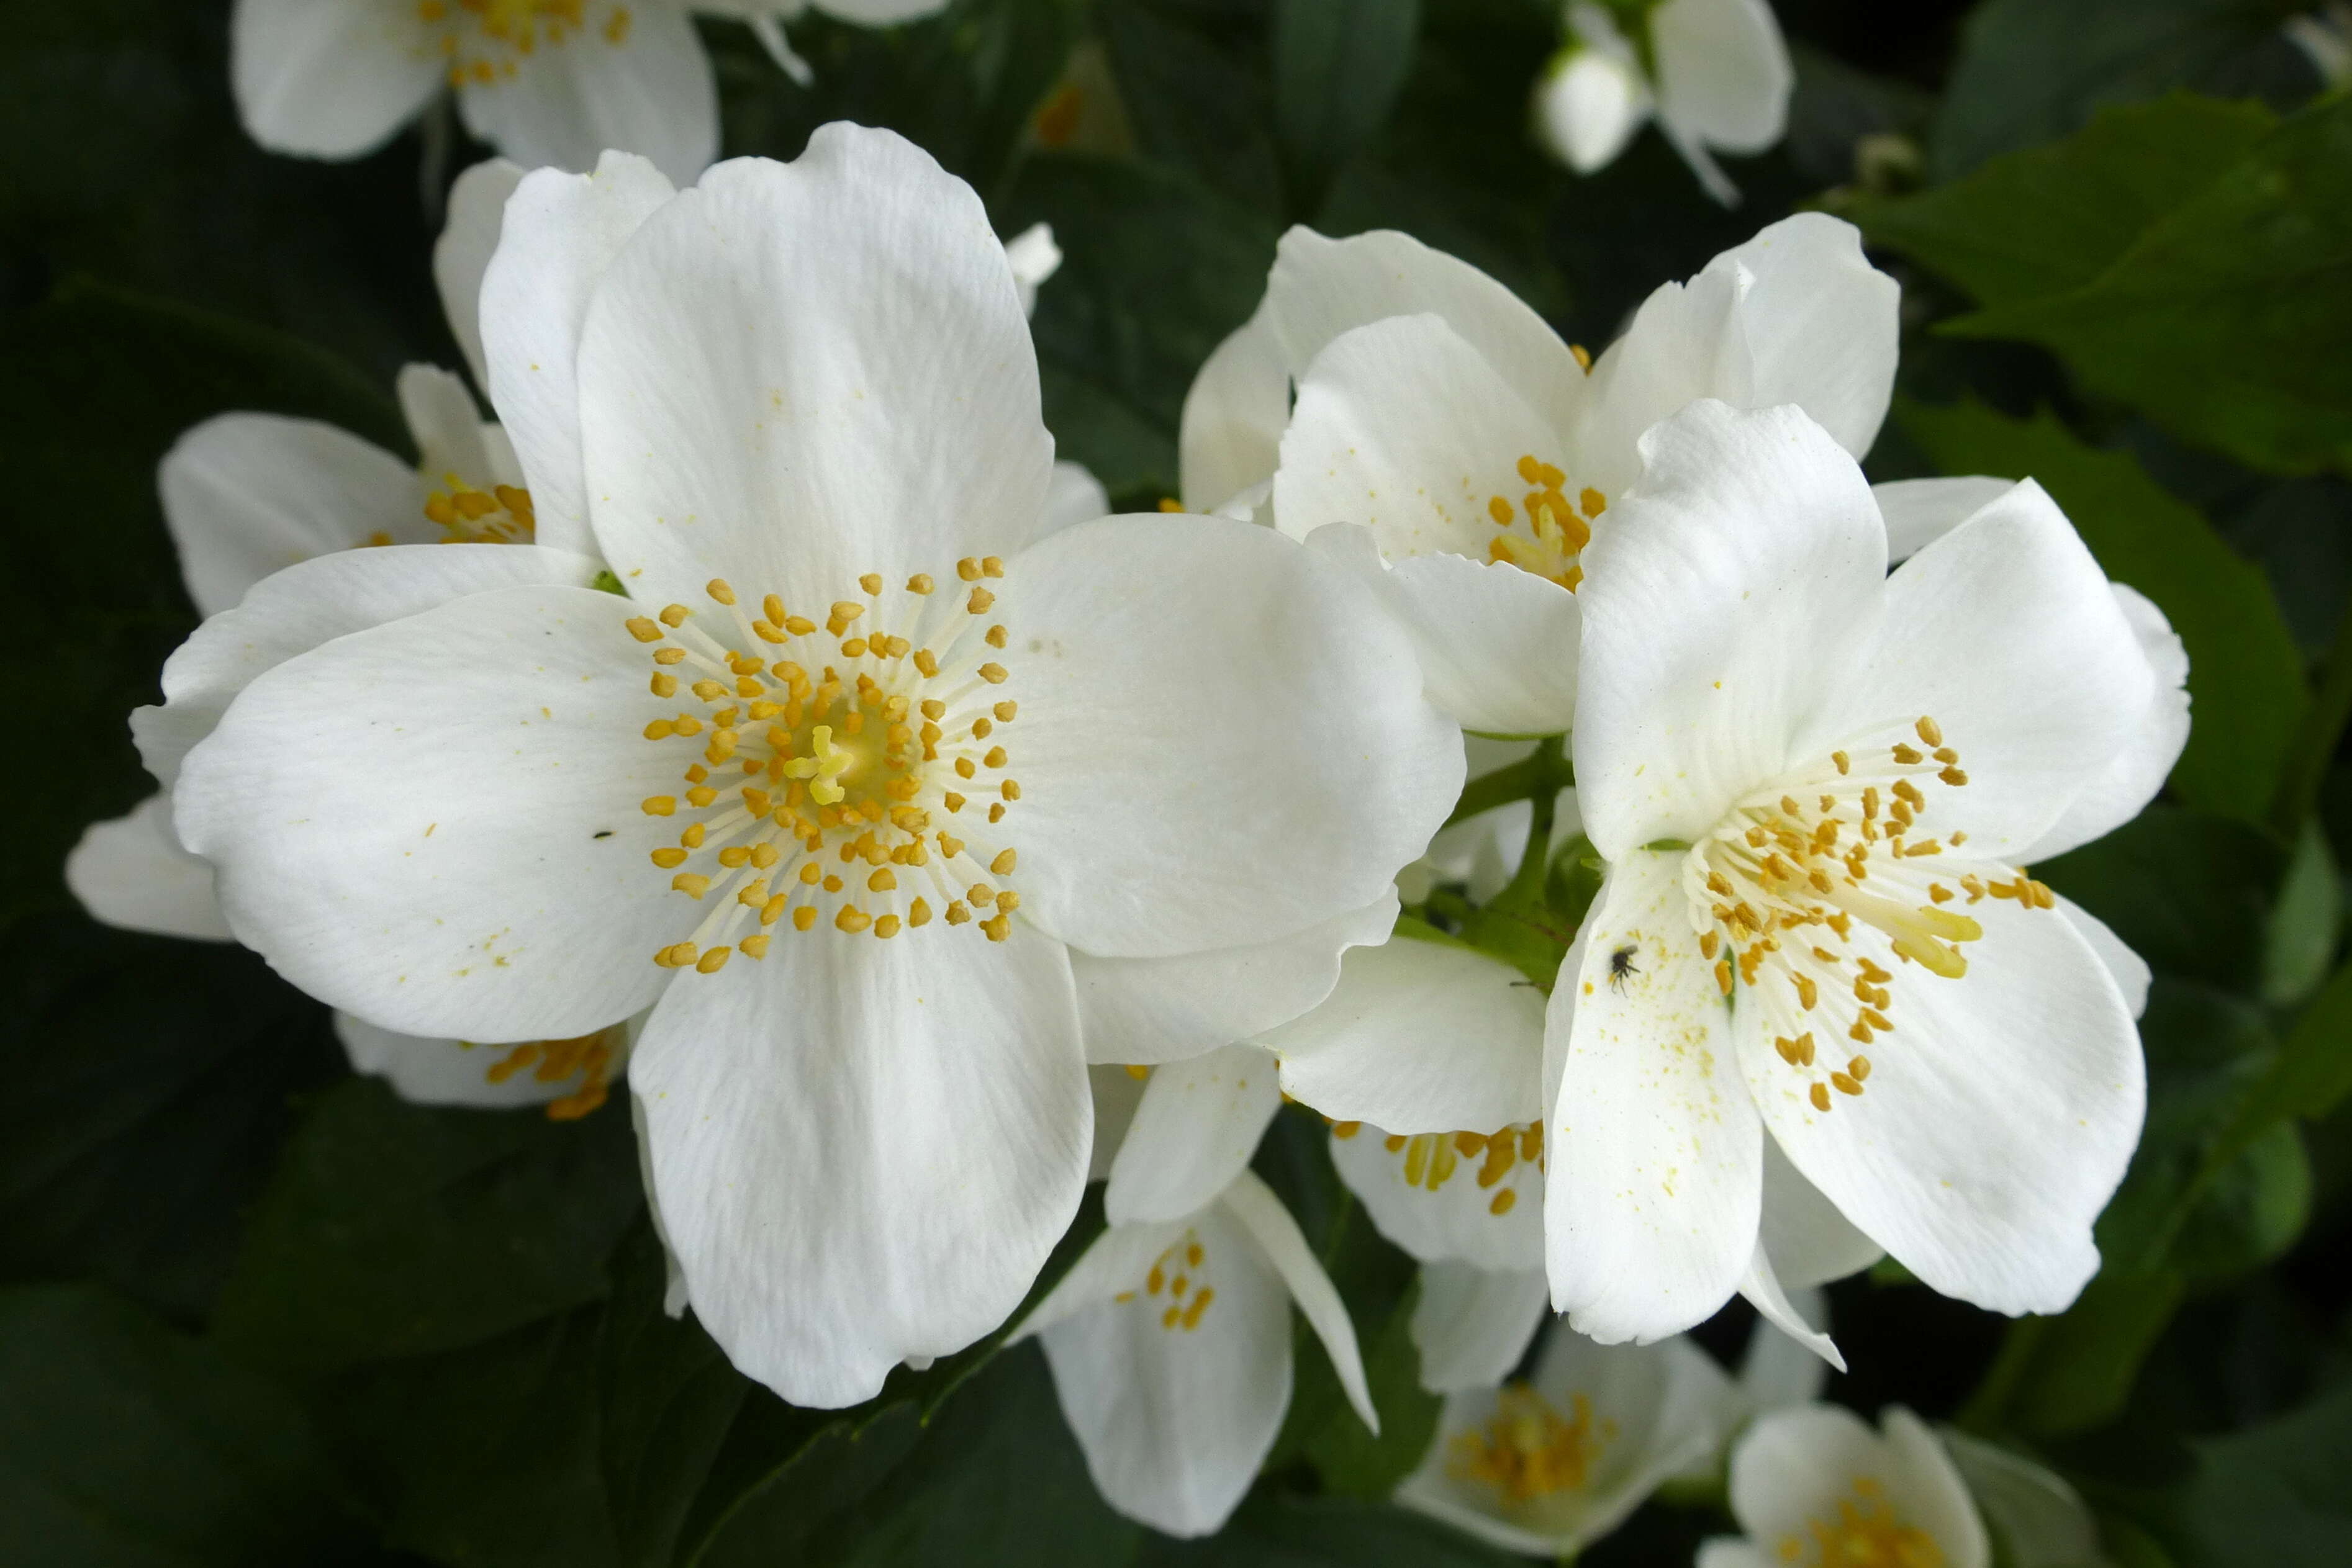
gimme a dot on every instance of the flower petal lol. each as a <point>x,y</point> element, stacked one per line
<point>328,79</point>
<point>1822,325</point>
<point>1198,1126</point>
<point>447,425</point>
<point>246,495</point>
<point>1684,343</point>
<point>1457,1219</point>
<point>2006,633</point>
<point>1778,1369</point>
<point>1234,417</point>
<point>1656,1157</point>
<point>628,76</point>
<point>1810,1243</point>
<point>797,374</point>
<point>864,1149</point>
<point>1930,1484</point>
<point>1918,512</point>
<point>1419,1037</point>
<point>2040,1521</point>
<point>1115,1261</point>
<point>435,822</point>
<point>131,873</point>
<point>1724,75</point>
<point>2124,787</point>
<point>1998,1117</point>
<point>469,237</point>
<point>1145,1010</point>
<point>1174,1422</point>
<point>1764,1293</point>
<point>1795,1466</point>
<point>310,604</point>
<point>1473,1326</point>
<point>1118,1092</point>
<point>1723,1552</point>
<point>558,235</point>
<point>1496,646</point>
<point>1322,287</point>
<point>1222,740</point>
<point>1401,425</point>
<point>1253,1204</point>
<point>1073,496</point>
<point>427,1072</point>
<point>1740,583</point>
<point>2127,968</point>
<point>1589,104</point>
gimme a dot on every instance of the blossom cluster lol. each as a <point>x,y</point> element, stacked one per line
<point>754,723</point>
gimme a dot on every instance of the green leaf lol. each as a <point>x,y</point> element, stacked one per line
<point>2030,72</point>
<point>1156,272</point>
<point>397,1230</point>
<point>1193,77</point>
<point>2187,891</point>
<point>2052,218</point>
<point>2074,1372</point>
<point>125,1445</point>
<point>1273,1530</point>
<point>2274,1495</point>
<point>2245,676</point>
<point>2222,320</point>
<point>1353,1461</point>
<point>1338,65</point>
<point>2304,922</point>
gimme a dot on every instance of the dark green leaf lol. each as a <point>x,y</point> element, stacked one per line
<point>125,1445</point>
<point>398,1230</point>
<point>2187,891</point>
<point>2246,676</point>
<point>1352,1461</point>
<point>2274,1496</point>
<point>2301,940</point>
<point>1338,65</point>
<point>2082,1362</point>
<point>1193,77</point>
<point>2030,72</point>
<point>1276,1531</point>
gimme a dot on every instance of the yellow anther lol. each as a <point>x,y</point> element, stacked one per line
<point>1592,502</point>
<point>663,686</point>
<point>852,919</point>
<point>918,913</point>
<point>658,805</point>
<point>919,583</point>
<point>1003,864</point>
<point>798,625</point>
<point>958,913</point>
<point>674,614</point>
<point>993,674</point>
<point>871,582</point>
<point>642,630</point>
<point>755,946</point>
<point>1820,1095</point>
<point>717,588</point>
<point>711,963</point>
<point>667,858</point>
<point>804,917</point>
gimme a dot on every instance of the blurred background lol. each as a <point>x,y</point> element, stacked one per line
<point>256,1310</point>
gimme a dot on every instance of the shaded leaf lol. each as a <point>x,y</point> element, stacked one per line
<point>1338,65</point>
<point>2274,1495</point>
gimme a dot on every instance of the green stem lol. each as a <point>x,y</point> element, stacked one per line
<point>1525,890</point>
<point>2313,743</point>
<point>1988,1408</point>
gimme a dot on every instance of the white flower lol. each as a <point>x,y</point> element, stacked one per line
<point>766,18</point>
<point>1815,784</point>
<point>2324,36</point>
<point>1815,1486</point>
<point>2035,1519</point>
<point>1714,73</point>
<point>1170,1348</point>
<point>1551,1464</point>
<point>544,81</point>
<point>1446,418</point>
<point>798,407</point>
<point>1034,258</point>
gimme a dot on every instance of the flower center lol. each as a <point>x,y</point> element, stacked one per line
<point>1174,1285</point>
<point>1544,534</point>
<point>826,791</point>
<point>1527,1450</point>
<point>500,515</point>
<point>588,1057</point>
<point>1793,867</point>
<point>485,40</point>
<point>1432,1159</point>
<point>1865,1533</point>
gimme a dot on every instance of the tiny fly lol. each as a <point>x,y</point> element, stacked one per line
<point>1621,964</point>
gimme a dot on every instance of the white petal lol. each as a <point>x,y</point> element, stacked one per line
<point>310,604</point>
<point>1741,581</point>
<point>1253,1204</point>
<point>1778,1369</point>
<point>1655,1155</point>
<point>330,79</point>
<point>1589,104</point>
<point>1473,1326</point>
<point>1073,496</point>
<point>1033,257</point>
<point>435,823</point>
<point>1401,425</point>
<point>864,1149</point>
<point>2129,969</point>
<point>797,374</point>
<point>1998,1117</point>
<point>1115,1261</point>
<point>2124,788</point>
<point>879,13</point>
<point>1724,75</point>
<point>674,1297</point>
<point>246,495</point>
<point>2042,1523</point>
<point>558,235</point>
<point>1796,1466</point>
<point>132,872</point>
<point>1321,287</point>
<point>630,77</point>
<point>427,1072</point>
<point>1233,416</point>
<point>478,204</point>
<point>1498,645</point>
<point>2006,633</point>
<point>1821,324</point>
<point>1764,1293</point>
<point>1116,1093</point>
<point>1684,343</point>
<point>1419,1037</point>
<point>445,425</point>
<point>1456,1220</point>
<point>1198,1126</point>
<point>1220,739</point>
<point>1175,1422</point>
<point>1930,1484</point>
<point>1725,1553</point>
<point>1809,1241</point>
<point>1164,1010</point>
<point>1918,512</point>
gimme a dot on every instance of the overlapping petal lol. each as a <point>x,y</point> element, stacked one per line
<point>1198,1124</point>
<point>330,79</point>
<point>632,77</point>
<point>132,872</point>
